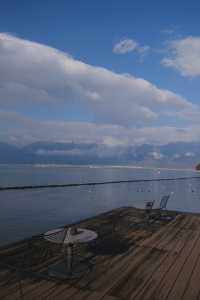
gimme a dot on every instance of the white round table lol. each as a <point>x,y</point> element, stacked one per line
<point>68,239</point>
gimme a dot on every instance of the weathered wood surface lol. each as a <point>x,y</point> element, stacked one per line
<point>131,259</point>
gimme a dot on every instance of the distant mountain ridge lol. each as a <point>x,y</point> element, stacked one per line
<point>173,154</point>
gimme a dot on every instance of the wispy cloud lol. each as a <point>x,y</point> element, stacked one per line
<point>184,56</point>
<point>130,45</point>
<point>171,30</point>
<point>125,46</point>
<point>167,31</point>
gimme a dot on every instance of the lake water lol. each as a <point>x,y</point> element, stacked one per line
<point>28,212</point>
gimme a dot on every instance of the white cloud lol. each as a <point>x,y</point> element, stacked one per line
<point>129,45</point>
<point>156,155</point>
<point>143,49</point>
<point>177,156</point>
<point>168,31</point>
<point>184,56</point>
<point>171,30</point>
<point>17,129</point>
<point>125,46</point>
<point>189,154</point>
<point>38,75</point>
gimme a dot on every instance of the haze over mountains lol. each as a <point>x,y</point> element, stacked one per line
<point>170,155</point>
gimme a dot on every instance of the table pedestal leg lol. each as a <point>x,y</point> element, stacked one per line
<point>69,259</point>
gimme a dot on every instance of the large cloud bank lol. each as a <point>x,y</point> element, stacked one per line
<point>122,109</point>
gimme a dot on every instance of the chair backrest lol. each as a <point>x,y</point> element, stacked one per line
<point>163,201</point>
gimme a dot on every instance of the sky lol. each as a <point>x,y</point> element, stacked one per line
<point>105,72</point>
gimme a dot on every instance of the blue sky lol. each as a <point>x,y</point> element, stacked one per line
<point>156,41</point>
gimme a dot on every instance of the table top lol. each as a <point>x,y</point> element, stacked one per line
<point>64,236</point>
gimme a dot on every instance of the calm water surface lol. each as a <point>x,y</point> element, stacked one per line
<point>29,212</point>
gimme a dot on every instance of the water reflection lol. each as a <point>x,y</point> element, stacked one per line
<point>28,212</point>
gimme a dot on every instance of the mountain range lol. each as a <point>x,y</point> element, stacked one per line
<point>170,155</point>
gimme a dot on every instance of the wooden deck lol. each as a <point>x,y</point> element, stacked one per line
<point>131,259</point>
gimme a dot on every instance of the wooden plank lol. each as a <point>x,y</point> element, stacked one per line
<point>5,293</point>
<point>35,293</point>
<point>177,266</point>
<point>176,240</point>
<point>192,290</point>
<point>80,295</point>
<point>100,296</point>
<point>10,250</point>
<point>50,293</point>
<point>163,279</point>
<point>168,241</point>
<point>169,238</point>
<point>9,287</point>
<point>145,290</point>
<point>153,240</point>
<point>181,282</point>
<point>195,225</point>
<point>95,296</point>
<point>130,274</point>
<point>132,234</point>
<point>158,234</point>
<point>56,258</point>
<point>40,292</point>
<point>112,279</point>
<point>156,276</point>
<point>9,277</point>
<point>65,294</point>
<point>180,241</point>
<point>107,297</point>
<point>137,281</point>
<point>109,275</point>
<point>135,278</point>
<point>100,263</point>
